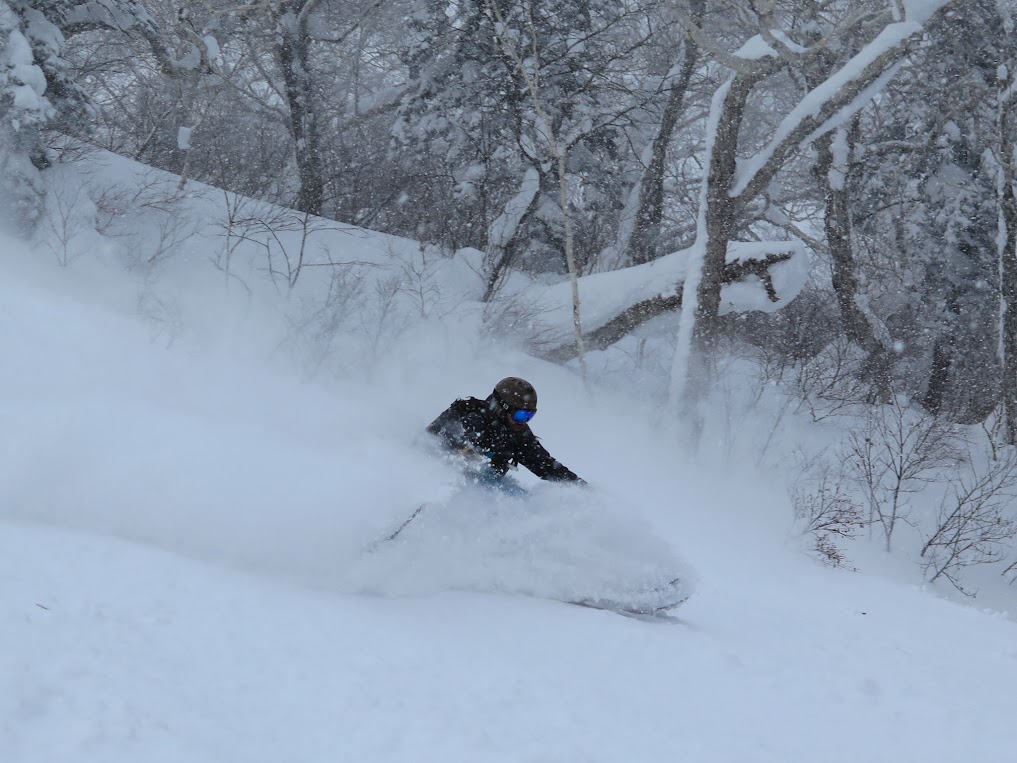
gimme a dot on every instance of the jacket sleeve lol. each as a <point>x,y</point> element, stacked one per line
<point>450,427</point>
<point>535,457</point>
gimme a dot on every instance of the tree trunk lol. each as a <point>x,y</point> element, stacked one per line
<point>932,401</point>
<point>293,54</point>
<point>643,246</point>
<point>1008,272</point>
<point>503,236</point>
<point>720,215</point>
<point>844,275</point>
<point>570,259</point>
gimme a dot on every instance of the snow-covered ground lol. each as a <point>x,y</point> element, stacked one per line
<point>184,507</point>
<point>119,652</point>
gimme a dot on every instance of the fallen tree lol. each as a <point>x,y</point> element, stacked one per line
<point>756,277</point>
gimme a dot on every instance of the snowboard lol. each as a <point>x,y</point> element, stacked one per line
<point>659,610</point>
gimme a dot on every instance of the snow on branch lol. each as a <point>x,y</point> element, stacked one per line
<point>920,11</point>
<point>837,97</point>
<point>128,16</point>
<point>762,276</point>
<point>505,229</point>
<point>108,14</point>
<point>742,61</point>
<point>834,101</point>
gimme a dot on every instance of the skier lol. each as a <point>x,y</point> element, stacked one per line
<point>496,432</point>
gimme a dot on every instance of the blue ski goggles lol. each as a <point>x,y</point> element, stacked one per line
<point>521,416</point>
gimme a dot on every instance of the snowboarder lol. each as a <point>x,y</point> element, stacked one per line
<point>497,431</point>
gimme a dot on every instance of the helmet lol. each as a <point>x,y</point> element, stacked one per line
<point>513,392</point>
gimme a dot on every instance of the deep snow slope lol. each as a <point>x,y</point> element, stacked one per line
<point>116,652</point>
<point>181,577</point>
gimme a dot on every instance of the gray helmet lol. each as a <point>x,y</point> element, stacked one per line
<point>514,394</point>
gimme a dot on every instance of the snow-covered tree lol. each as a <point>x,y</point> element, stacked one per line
<point>303,64</point>
<point>921,193</point>
<point>40,90</point>
<point>501,92</point>
<point>36,91</point>
<point>738,172</point>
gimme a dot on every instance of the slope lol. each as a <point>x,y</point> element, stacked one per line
<point>179,524</point>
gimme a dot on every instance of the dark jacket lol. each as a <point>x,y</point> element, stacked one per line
<point>478,426</point>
